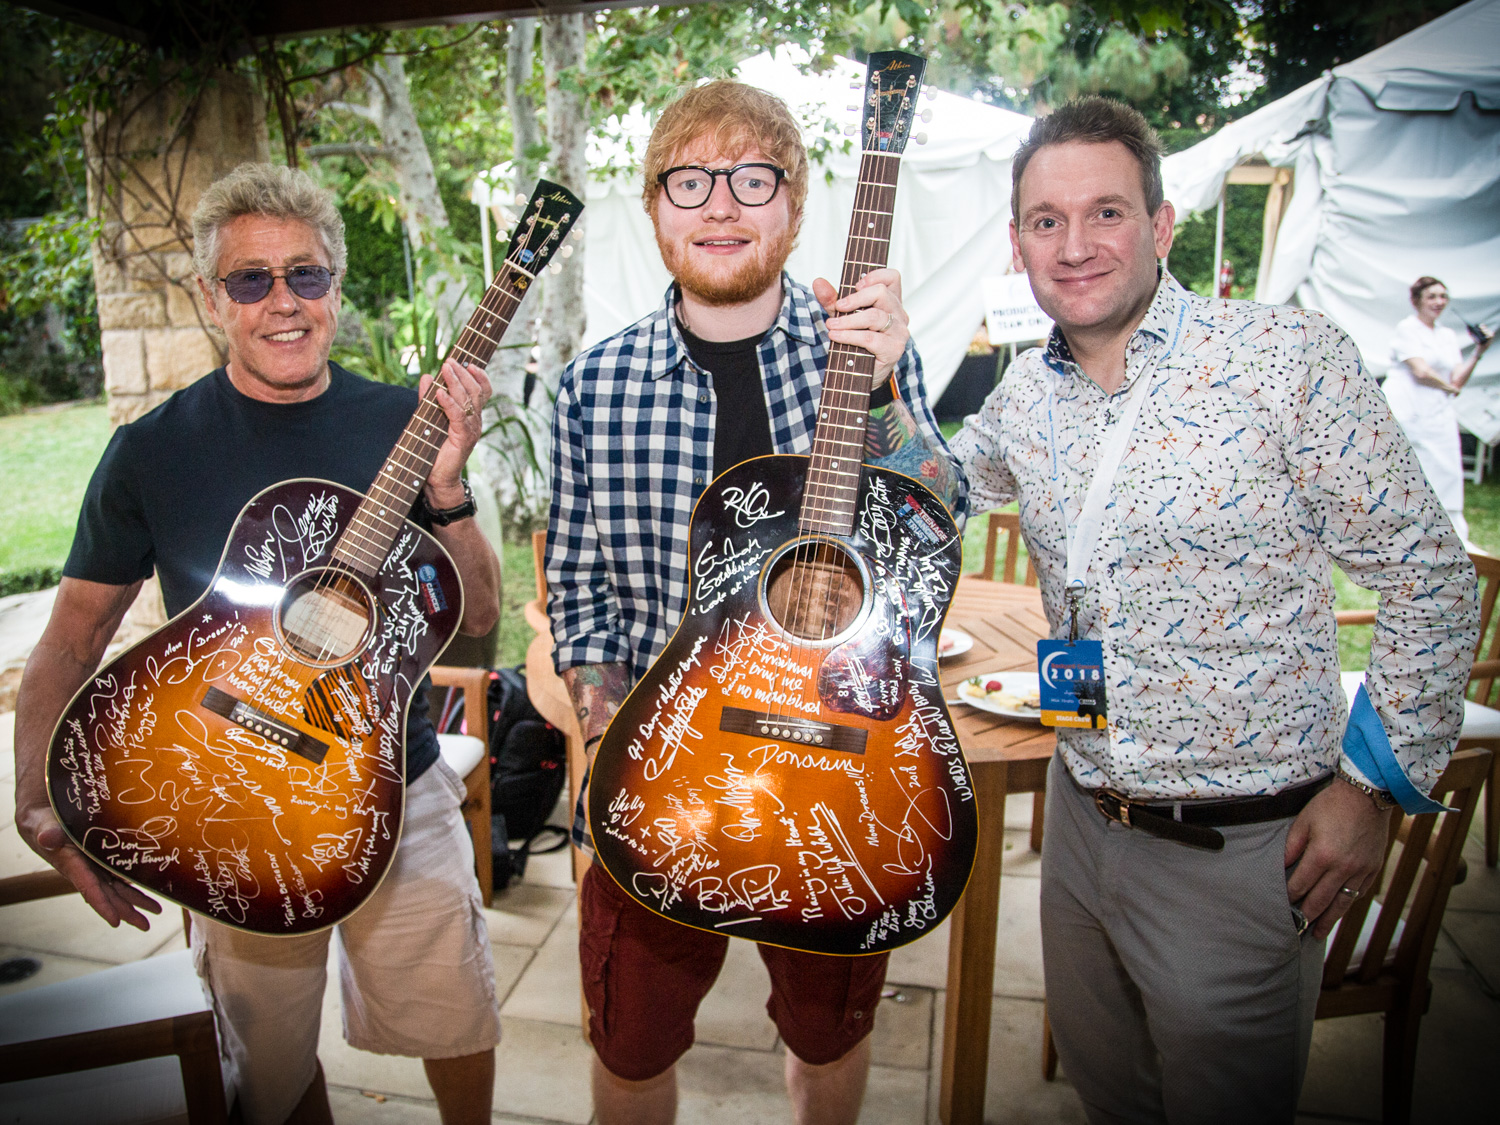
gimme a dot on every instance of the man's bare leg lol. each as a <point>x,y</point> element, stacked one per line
<point>313,1109</point>
<point>464,1087</point>
<point>830,1094</point>
<point>618,1101</point>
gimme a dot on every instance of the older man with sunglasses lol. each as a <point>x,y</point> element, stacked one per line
<point>415,963</point>
<point>729,367</point>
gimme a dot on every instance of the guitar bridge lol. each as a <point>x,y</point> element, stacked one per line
<point>253,719</point>
<point>794,729</point>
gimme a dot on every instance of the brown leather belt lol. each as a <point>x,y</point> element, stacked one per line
<point>1195,822</point>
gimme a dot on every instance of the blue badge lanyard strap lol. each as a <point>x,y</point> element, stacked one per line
<point>1084,539</point>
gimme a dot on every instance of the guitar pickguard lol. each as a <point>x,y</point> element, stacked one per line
<point>799,792</point>
<point>211,766</point>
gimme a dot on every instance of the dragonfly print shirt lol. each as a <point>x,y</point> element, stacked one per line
<point>1263,454</point>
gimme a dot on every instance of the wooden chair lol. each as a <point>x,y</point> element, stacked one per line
<point>1010,523</point>
<point>147,1022</point>
<point>1378,959</point>
<point>1481,729</point>
<point>468,755</point>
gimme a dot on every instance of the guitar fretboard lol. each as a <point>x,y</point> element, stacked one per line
<point>839,440</point>
<point>368,538</point>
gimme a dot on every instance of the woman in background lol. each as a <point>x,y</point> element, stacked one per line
<point>1428,370</point>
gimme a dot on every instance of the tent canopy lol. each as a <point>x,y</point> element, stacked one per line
<point>949,230</point>
<point>1397,175</point>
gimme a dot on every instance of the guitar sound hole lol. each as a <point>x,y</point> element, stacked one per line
<point>815,591</point>
<point>326,618</point>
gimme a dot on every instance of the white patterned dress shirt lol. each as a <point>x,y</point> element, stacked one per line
<point>1264,452</point>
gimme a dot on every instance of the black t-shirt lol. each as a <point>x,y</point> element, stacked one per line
<point>169,486</point>
<point>742,429</point>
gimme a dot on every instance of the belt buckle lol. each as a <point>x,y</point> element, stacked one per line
<point>1121,813</point>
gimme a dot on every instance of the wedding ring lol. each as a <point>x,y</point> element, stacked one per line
<point>1348,891</point>
<point>469,409</point>
<point>889,320</point>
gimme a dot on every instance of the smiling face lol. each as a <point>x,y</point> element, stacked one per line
<point>1431,303</point>
<point>724,253</point>
<point>278,346</point>
<point>1086,239</point>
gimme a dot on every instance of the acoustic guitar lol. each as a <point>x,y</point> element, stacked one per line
<point>248,759</point>
<point>787,771</point>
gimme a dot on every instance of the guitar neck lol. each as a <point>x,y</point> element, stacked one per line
<point>839,440</point>
<point>368,538</point>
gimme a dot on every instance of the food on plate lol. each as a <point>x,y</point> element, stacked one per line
<point>946,641</point>
<point>992,691</point>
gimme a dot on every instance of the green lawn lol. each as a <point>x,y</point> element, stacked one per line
<point>46,458</point>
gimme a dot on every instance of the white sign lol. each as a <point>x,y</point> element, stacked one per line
<point>1011,312</point>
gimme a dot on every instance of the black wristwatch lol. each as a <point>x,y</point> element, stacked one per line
<point>444,516</point>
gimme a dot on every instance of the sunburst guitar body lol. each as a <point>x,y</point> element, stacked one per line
<point>248,759</point>
<point>787,770</point>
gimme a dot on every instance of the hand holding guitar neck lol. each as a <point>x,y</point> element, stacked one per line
<point>872,317</point>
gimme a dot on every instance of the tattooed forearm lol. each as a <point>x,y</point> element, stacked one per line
<point>893,441</point>
<point>597,690</point>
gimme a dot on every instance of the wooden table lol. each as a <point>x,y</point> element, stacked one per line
<point>1006,756</point>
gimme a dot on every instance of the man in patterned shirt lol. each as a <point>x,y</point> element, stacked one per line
<point>729,367</point>
<point>1200,848</point>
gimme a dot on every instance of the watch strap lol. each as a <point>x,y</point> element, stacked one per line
<point>444,516</point>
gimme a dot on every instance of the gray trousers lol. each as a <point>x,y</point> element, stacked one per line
<point>1177,986</point>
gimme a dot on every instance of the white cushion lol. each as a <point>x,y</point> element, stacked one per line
<point>461,751</point>
<point>148,1090</point>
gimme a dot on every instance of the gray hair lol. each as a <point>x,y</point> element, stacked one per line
<point>265,189</point>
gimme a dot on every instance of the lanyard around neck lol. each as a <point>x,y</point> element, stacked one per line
<point>1085,538</point>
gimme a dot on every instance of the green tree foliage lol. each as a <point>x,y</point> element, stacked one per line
<point>1191,260</point>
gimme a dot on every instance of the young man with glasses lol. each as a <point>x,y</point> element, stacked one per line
<point>728,368</point>
<point>415,962</point>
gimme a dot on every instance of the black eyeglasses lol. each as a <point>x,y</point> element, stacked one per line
<point>245,287</point>
<point>752,185</point>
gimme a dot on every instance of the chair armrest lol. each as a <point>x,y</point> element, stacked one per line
<point>1354,616</point>
<point>1484,670</point>
<point>34,885</point>
<point>476,687</point>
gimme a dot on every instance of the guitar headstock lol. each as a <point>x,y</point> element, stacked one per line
<point>542,230</point>
<point>892,82</point>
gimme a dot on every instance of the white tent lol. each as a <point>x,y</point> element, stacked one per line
<point>952,210</point>
<point>1396,160</point>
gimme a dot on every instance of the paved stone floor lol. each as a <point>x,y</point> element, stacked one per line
<point>733,1075</point>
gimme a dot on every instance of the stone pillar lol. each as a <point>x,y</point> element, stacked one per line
<point>149,164</point>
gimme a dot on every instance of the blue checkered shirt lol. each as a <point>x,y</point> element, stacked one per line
<point>632,450</point>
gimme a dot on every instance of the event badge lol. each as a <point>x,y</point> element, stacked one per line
<point>1071,677</point>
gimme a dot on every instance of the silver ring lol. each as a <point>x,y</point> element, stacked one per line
<point>890,318</point>
<point>1348,891</point>
<point>469,409</point>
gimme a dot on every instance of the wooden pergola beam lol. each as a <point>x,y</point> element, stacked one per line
<point>146,22</point>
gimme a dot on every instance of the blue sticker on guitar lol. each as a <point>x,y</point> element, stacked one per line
<point>1072,684</point>
<point>432,591</point>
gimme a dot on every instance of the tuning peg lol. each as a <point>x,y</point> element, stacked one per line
<point>519,200</point>
<point>854,108</point>
<point>577,234</point>
<point>555,267</point>
<point>848,130</point>
<point>929,93</point>
<point>856,84</point>
<point>567,251</point>
<point>920,138</point>
<point>925,115</point>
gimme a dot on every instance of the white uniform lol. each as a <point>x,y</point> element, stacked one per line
<point>1426,414</point>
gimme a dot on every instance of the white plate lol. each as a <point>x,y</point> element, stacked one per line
<point>1016,683</point>
<point>962,643</point>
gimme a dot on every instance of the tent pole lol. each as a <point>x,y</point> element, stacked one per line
<point>484,240</point>
<point>1219,239</point>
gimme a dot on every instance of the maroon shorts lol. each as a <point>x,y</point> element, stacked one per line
<point>644,977</point>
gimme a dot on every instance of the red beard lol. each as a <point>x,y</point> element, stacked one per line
<point>725,283</point>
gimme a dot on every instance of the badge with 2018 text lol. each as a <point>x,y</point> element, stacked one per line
<point>1072,683</point>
